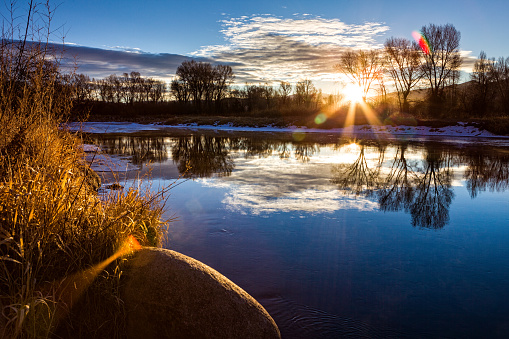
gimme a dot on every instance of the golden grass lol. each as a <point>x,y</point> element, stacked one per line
<point>53,224</point>
<point>58,237</point>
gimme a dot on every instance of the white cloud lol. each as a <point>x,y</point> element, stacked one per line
<point>468,61</point>
<point>265,47</point>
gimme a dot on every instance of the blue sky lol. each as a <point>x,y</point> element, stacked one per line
<point>262,40</point>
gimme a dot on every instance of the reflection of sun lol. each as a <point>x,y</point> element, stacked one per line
<point>353,93</point>
<point>351,148</point>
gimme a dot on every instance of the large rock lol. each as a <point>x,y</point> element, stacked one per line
<point>170,295</point>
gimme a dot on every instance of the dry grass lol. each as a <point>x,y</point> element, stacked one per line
<point>54,224</point>
<point>59,240</point>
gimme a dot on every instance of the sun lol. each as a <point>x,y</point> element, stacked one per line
<point>353,93</point>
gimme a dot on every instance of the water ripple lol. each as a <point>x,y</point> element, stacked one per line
<point>301,321</point>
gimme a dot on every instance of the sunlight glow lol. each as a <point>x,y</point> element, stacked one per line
<point>353,93</point>
<point>70,289</point>
<point>351,148</point>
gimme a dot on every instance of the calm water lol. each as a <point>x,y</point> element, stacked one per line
<point>339,237</point>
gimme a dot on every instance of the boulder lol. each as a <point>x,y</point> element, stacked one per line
<point>169,295</point>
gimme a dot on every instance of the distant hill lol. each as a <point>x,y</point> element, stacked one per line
<point>420,94</point>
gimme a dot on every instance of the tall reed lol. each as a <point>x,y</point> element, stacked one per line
<point>55,230</point>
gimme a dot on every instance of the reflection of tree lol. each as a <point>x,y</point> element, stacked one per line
<point>284,149</point>
<point>426,194</point>
<point>397,189</point>
<point>421,187</point>
<point>486,171</point>
<point>357,177</point>
<point>303,152</point>
<point>202,156</point>
<point>255,147</point>
<point>141,149</point>
<point>264,148</point>
<point>433,194</point>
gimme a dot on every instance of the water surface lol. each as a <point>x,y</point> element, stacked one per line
<point>340,237</point>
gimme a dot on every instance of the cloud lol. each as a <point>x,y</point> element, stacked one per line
<point>259,48</point>
<point>469,60</point>
<point>266,48</point>
<point>99,63</point>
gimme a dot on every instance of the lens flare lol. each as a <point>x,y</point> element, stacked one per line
<point>129,246</point>
<point>69,290</point>
<point>422,41</point>
<point>320,118</point>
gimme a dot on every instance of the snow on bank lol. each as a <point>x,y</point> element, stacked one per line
<point>460,130</point>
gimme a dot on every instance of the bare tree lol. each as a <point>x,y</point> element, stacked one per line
<point>202,82</point>
<point>499,74</point>
<point>157,90</point>
<point>269,94</point>
<point>105,89</point>
<point>362,68</point>
<point>223,78</point>
<point>480,89</point>
<point>284,91</point>
<point>196,75</point>
<point>305,92</point>
<point>180,90</point>
<point>403,63</point>
<point>83,87</point>
<point>254,97</point>
<point>443,61</point>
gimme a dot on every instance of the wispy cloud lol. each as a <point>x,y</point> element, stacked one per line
<point>265,47</point>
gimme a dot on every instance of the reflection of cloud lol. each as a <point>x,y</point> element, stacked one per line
<point>268,47</point>
<point>267,185</point>
<point>249,198</point>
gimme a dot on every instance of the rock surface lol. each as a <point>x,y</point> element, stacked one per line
<point>170,295</point>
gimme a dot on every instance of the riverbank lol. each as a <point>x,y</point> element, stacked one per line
<point>58,232</point>
<point>395,124</point>
<point>460,131</point>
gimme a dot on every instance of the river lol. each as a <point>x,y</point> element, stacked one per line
<point>339,237</point>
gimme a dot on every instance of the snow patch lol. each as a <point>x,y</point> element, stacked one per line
<point>461,130</point>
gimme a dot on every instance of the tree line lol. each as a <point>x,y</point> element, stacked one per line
<point>127,88</point>
<point>202,87</point>
<point>431,63</point>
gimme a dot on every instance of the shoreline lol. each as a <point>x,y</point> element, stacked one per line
<point>459,131</point>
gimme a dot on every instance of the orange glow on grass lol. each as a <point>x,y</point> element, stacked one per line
<point>69,290</point>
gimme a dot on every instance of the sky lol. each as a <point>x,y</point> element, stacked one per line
<point>263,40</point>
